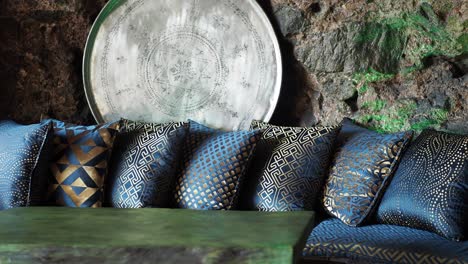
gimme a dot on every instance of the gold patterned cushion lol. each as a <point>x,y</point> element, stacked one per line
<point>24,151</point>
<point>430,188</point>
<point>289,167</point>
<point>144,164</point>
<point>79,165</point>
<point>364,163</point>
<point>214,164</point>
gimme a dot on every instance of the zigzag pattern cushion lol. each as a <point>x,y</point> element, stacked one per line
<point>334,240</point>
<point>144,163</point>
<point>288,168</point>
<point>79,165</point>
<point>214,165</point>
<point>363,165</point>
<point>23,162</point>
<point>430,188</point>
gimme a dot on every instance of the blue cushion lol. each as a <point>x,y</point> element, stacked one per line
<point>79,165</point>
<point>332,239</point>
<point>430,188</point>
<point>363,165</point>
<point>144,163</point>
<point>289,167</point>
<point>214,165</point>
<point>23,163</point>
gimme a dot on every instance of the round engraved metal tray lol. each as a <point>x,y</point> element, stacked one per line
<point>213,61</point>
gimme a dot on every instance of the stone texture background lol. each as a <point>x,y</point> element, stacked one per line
<point>390,64</point>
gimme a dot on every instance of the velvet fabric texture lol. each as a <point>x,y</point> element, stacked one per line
<point>364,163</point>
<point>144,163</point>
<point>332,239</point>
<point>214,165</point>
<point>289,167</point>
<point>79,165</point>
<point>430,188</point>
<point>23,163</point>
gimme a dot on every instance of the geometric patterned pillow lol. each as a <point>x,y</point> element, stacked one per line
<point>23,163</point>
<point>79,164</point>
<point>288,168</point>
<point>214,164</point>
<point>363,166</point>
<point>144,163</point>
<point>430,188</point>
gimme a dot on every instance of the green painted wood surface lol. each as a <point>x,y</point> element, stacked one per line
<point>108,235</point>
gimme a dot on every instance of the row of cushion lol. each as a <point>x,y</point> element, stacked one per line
<point>269,168</point>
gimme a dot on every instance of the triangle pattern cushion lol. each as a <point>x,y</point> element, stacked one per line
<point>289,167</point>
<point>144,164</point>
<point>214,165</point>
<point>24,151</point>
<point>79,166</point>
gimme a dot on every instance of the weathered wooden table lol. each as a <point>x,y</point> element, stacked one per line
<point>107,235</point>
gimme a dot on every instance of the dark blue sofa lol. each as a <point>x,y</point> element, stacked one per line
<point>333,241</point>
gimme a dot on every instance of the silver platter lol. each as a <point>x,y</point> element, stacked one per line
<point>213,61</point>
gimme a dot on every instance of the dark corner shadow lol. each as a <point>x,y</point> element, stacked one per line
<point>295,77</point>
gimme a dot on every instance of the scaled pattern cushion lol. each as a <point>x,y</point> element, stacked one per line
<point>214,164</point>
<point>23,163</point>
<point>144,163</point>
<point>79,165</point>
<point>334,240</point>
<point>363,165</point>
<point>430,188</point>
<point>288,169</point>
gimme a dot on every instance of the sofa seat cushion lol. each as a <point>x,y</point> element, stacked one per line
<point>332,239</point>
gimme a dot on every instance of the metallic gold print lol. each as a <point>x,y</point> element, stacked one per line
<point>144,162</point>
<point>20,151</point>
<point>80,164</point>
<point>214,163</point>
<point>381,244</point>
<point>429,189</point>
<point>358,173</point>
<point>294,169</point>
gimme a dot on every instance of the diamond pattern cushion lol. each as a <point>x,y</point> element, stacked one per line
<point>363,165</point>
<point>430,188</point>
<point>79,166</point>
<point>214,164</point>
<point>334,240</point>
<point>288,169</point>
<point>23,163</point>
<point>144,163</point>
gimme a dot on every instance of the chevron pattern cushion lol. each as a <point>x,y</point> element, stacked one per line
<point>333,240</point>
<point>79,166</point>
<point>23,162</point>
<point>430,188</point>
<point>144,163</point>
<point>363,165</point>
<point>288,169</point>
<point>214,165</point>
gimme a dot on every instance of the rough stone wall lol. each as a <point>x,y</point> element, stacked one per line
<point>392,65</point>
<point>42,56</point>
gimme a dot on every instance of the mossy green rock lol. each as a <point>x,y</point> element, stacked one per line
<point>391,69</point>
